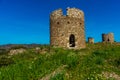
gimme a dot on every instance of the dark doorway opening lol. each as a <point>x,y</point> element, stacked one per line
<point>72,40</point>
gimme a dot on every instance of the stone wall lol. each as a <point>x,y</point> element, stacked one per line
<point>56,14</point>
<point>63,26</point>
<point>75,13</point>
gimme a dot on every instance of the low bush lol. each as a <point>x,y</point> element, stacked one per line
<point>3,51</point>
<point>72,60</point>
<point>5,61</point>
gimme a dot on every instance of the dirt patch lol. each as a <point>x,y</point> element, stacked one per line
<point>111,75</point>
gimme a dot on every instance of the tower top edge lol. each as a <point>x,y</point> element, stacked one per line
<point>71,12</point>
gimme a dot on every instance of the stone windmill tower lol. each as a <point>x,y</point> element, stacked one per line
<point>90,40</point>
<point>68,30</point>
<point>108,38</point>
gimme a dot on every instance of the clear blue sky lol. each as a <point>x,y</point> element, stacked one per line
<point>27,21</point>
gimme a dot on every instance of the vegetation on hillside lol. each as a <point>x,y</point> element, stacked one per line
<point>96,62</point>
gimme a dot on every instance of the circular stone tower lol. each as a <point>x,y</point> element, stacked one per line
<point>111,37</point>
<point>90,40</point>
<point>108,38</point>
<point>67,31</point>
<point>104,37</point>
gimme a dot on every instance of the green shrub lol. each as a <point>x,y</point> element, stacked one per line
<point>116,62</point>
<point>103,53</point>
<point>72,60</point>
<point>99,53</point>
<point>5,61</point>
<point>3,51</point>
<point>99,60</point>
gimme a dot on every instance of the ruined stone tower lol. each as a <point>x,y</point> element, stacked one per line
<point>67,31</point>
<point>108,38</point>
<point>90,40</point>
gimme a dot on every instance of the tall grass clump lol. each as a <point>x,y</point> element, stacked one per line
<point>72,60</point>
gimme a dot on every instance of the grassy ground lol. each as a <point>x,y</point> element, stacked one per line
<point>96,62</point>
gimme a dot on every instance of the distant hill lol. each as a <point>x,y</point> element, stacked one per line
<point>8,46</point>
